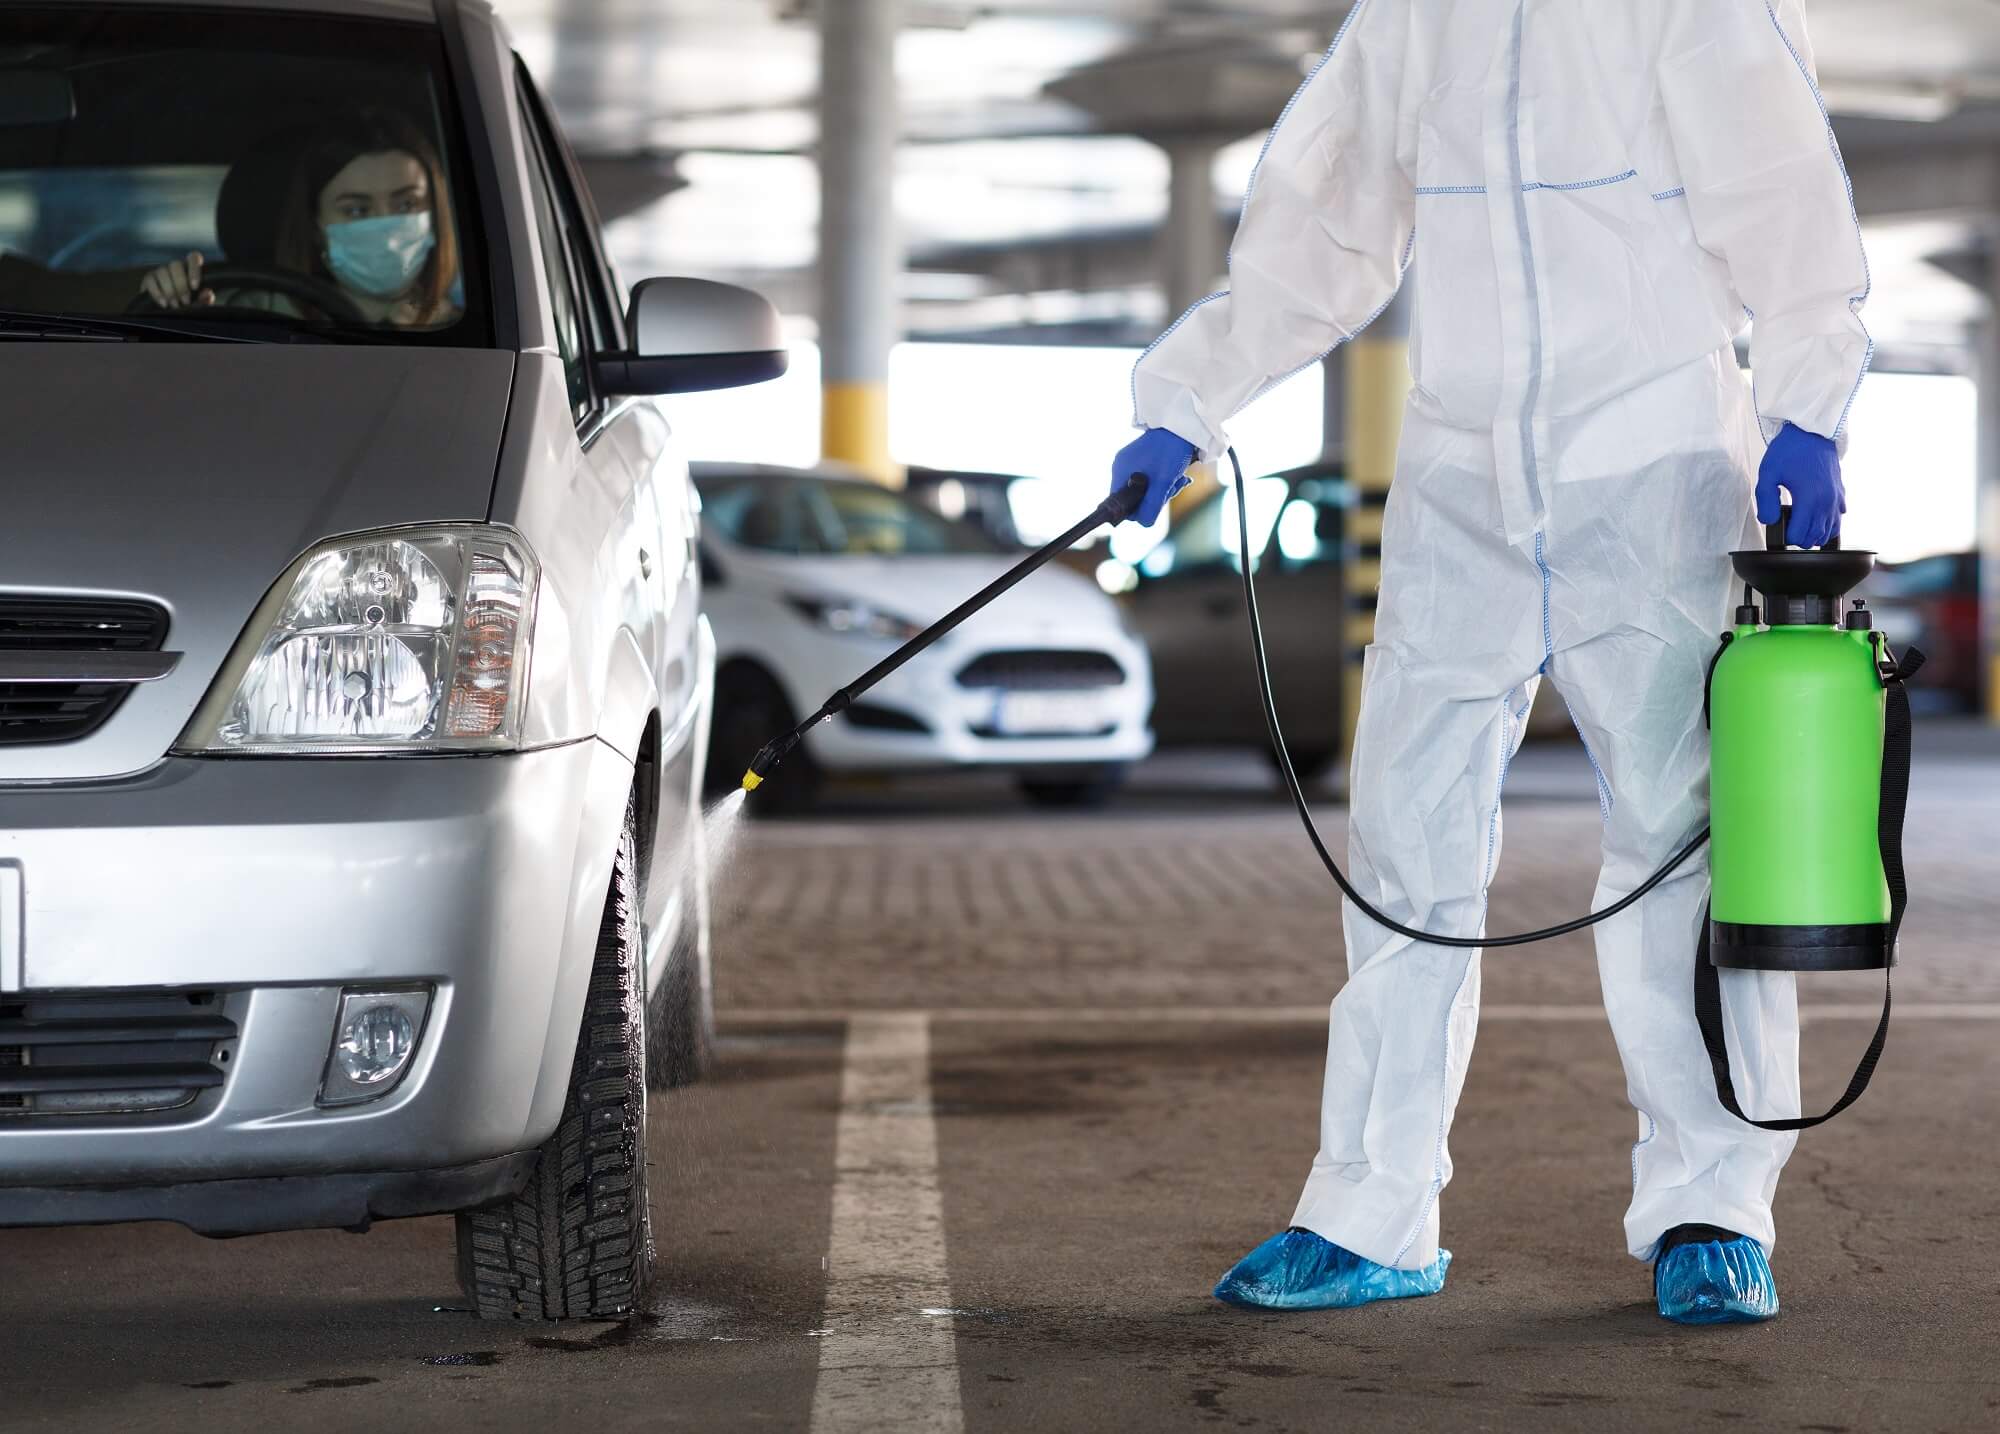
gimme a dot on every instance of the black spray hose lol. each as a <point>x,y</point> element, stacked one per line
<point>1113,510</point>
<point>1291,778</point>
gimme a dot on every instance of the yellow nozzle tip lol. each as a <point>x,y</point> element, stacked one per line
<point>751,781</point>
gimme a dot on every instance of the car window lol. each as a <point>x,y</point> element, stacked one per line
<point>830,517</point>
<point>602,309</point>
<point>1207,538</point>
<point>565,308</point>
<point>315,163</point>
<point>1312,525</point>
<point>855,518</point>
<point>755,512</point>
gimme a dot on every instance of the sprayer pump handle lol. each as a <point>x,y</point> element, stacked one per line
<point>1774,533</point>
<point>1125,502</point>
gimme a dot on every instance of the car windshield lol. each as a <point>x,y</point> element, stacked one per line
<point>313,163</point>
<point>831,517</point>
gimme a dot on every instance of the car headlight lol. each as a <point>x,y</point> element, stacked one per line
<point>406,640</point>
<point>851,615</point>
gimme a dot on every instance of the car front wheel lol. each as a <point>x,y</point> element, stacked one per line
<point>576,1242</point>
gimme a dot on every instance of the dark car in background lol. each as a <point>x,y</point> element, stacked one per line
<point>1187,603</point>
<point>981,499</point>
<point>1933,603</point>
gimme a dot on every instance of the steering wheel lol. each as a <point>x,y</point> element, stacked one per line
<point>329,298</point>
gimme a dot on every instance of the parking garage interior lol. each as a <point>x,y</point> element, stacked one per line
<point>1003,1055</point>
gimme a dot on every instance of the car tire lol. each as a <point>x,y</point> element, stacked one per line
<point>751,709</point>
<point>577,1241</point>
<point>1083,789</point>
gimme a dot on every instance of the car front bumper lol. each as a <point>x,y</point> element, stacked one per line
<point>966,726</point>
<point>267,887</point>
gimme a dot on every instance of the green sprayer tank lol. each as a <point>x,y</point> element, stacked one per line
<point>1796,711</point>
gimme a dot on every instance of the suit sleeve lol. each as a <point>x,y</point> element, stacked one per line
<point>1769,196</point>
<point>1321,245</point>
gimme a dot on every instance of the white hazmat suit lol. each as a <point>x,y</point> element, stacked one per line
<point>1597,196</point>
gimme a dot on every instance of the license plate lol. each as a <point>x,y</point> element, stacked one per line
<point>1053,713</point>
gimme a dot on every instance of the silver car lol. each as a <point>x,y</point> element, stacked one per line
<point>353,688</point>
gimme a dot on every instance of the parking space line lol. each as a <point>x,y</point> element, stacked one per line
<point>767,1016</point>
<point>887,1355</point>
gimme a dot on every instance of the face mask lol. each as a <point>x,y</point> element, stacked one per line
<point>379,257</point>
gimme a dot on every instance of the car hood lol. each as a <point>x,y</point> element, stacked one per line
<point>1055,605</point>
<point>193,474</point>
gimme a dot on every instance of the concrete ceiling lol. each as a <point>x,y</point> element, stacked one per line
<point>711,102</point>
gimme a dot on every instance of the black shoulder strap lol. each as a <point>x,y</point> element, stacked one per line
<point>1889,835</point>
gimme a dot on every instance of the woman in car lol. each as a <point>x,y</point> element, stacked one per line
<point>368,212</point>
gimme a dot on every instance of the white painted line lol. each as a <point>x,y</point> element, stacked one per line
<point>751,1016</point>
<point>887,1358</point>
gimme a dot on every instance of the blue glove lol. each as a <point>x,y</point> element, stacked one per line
<point>1161,455</point>
<point>1807,467</point>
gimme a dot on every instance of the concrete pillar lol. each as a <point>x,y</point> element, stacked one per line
<point>1375,382</point>
<point>860,252</point>
<point>1333,407</point>
<point>1987,372</point>
<point>1194,248</point>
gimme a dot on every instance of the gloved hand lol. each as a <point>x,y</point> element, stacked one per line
<point>1807,467</point>
<point>1163,456</point>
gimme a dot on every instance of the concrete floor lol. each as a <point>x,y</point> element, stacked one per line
<point>1002,1094</point>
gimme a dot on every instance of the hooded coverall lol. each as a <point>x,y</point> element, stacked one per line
<point>1598,197</point>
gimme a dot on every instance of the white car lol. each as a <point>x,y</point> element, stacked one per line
<point>809,579</point>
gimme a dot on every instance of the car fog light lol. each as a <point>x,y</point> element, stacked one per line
<point>374,1037</point>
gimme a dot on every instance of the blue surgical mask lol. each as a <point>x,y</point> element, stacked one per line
<point>380,257</point>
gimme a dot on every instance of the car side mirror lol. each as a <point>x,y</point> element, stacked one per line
<point>693,335</point>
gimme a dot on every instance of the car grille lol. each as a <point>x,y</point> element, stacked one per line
<point>1028,670</point>
<point>110,1052</point>
<point>62,712</point>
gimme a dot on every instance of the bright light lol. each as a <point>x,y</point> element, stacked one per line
<point>1116,577</point>
<point>1267,496</point>
<point>1057,415</point>
<point>1912,466</point>
<point>1298,531</point>
<point>775,422</point>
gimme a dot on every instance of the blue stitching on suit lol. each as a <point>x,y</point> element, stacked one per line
<point>1401,268</point>
<point>1532,185</point>
<point>1548,633</point>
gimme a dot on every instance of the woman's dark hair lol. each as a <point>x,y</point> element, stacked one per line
<point>332,149</point>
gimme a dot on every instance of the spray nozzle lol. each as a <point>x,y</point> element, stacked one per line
<point>778,748</point>
<point>772,753</point>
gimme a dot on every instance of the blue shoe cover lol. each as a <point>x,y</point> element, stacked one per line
<point>1298,1270</point>
<point>1715,1282</point>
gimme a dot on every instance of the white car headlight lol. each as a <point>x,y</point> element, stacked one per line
<point>852,616</point>
<point>407,640</point>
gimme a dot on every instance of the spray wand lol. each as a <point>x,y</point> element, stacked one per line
<point>1115,509</point>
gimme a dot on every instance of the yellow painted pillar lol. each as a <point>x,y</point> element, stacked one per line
<point>1376,382</point>
<point>854,428</point>
<point>860,253</point>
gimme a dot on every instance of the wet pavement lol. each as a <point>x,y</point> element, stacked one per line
<point>1003,1091</point>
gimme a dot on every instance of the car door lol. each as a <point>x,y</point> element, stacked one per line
<point>649,570</point>
<point>1189,606</point>
<point>1302,598</point>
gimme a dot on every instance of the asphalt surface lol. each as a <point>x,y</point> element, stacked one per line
<point>1003,1091</point>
